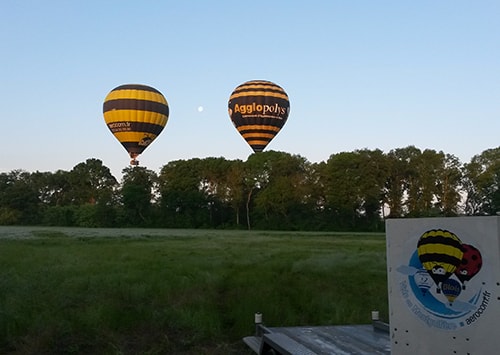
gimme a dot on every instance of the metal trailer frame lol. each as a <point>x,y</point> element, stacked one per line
<point>365,339</point>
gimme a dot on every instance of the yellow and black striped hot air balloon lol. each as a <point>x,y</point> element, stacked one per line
<point>440,252</point>
<point>258,110</point>
<point>136,115</point>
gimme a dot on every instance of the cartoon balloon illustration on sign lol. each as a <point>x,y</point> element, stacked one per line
<point>451,289</point>
<point>258,110</point>
<point>135,114</point>
<point>440,252</point>
<point>470,265</point>
<point>423,281</point>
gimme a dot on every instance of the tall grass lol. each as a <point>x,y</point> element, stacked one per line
<point>127,291</point>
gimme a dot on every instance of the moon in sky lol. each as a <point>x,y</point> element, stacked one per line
<point>200,108</point>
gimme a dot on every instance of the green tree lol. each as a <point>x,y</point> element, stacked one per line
<point>482,183</point>
<point>93,189</point>
<point>404,181</point>
<point>395,184</point>
<point>91,183</point>
<point>183,200</point>
<point>54,193</point>
<point>433,184</point>
<point>316,198</point>
<point>19,202</point>
<point>258,170</point>
<point>214,184</point>
<point>339,178</point>
<point>54,189</point>
<point>422,186</point>
<point>137,191</point>
<point>449,186</point>
<point>354,184</point>
<point>374,169</point>
<point>235,188</point>
<point>283,192</point>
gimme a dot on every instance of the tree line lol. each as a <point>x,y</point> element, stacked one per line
<point>351,191</point>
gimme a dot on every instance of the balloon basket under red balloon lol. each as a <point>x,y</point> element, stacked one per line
<point>134,162</point>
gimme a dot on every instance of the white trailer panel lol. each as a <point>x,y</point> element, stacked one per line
<point>444,285</point>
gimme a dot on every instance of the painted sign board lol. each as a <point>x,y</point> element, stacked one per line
<point>444,285</point>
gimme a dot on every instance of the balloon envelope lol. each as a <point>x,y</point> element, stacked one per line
<point>471,263</point>
<point>258,110</point>
<point>136,115</point>
<point>440,252</point>
<point>451,289</point>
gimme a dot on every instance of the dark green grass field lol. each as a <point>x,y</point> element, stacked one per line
<point>138,291</point>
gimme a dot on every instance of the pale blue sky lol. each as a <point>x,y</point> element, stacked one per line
<point>359,74</point>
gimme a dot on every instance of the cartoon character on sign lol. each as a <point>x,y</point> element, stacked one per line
<point>258,110</point>
<point>423,281</point>
<point>440,252</point>
<point>470,265</point>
